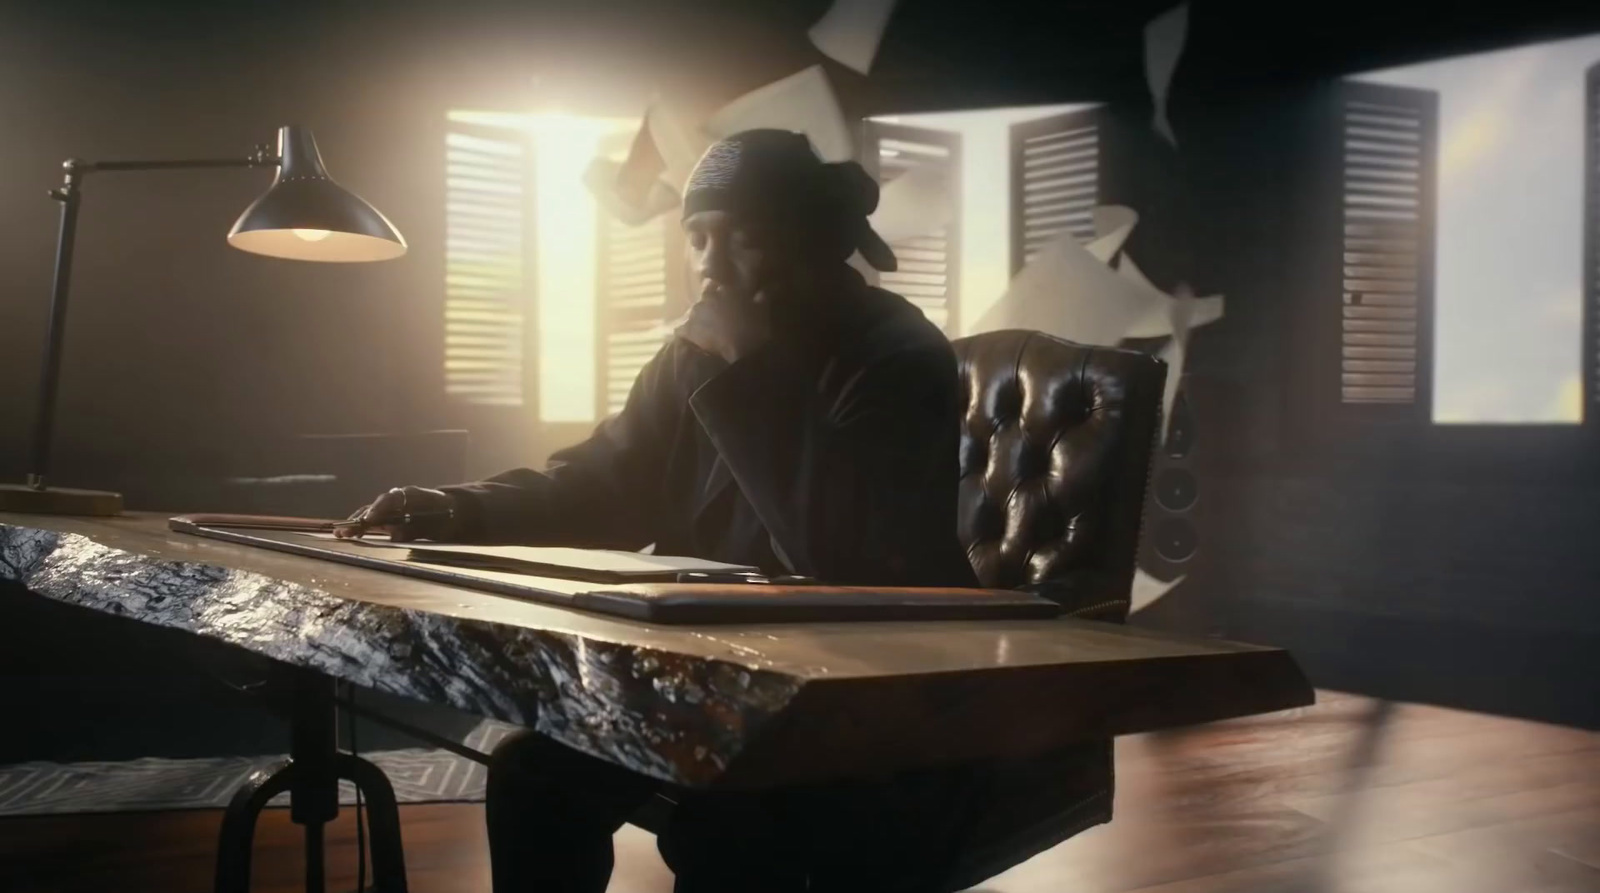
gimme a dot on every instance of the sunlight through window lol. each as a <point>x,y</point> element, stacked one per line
<point>521,259</point>
<point>564,245</point>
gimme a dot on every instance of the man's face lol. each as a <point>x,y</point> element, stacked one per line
<point>728,258</point>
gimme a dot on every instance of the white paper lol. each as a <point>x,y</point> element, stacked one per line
<point>916,203</point>
<point>678,140</point>
<point>605,560</point>
<point>850,31</point>
<point>1068,292</point>
<point>802,102</point>
<point>600,560</point>
<point>1178,316</point>
<point>1174,354</point>
<point>1164,39</point>
<point>1148,590</point>
<point>601,178</point>
<point>1180,312</point>
<point>1112,224</point>
<point>369,539</point>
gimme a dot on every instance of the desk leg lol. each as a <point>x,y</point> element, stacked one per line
<point>239,825</point>
<point>311,776</point>
<point>383,823</point>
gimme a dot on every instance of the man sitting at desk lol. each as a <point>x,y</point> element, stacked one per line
<point>800,421</point>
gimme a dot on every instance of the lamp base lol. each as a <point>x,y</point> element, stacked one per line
<point>59,501</point>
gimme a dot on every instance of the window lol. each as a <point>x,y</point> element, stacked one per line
<point>928,262</point>
<point>958,272</point>
<point>1509,342</point>
<point>486,282</point>
<point>551,306</point>
<point>1055,180</point>
<point>642,287</point>
<point>1386,281</point>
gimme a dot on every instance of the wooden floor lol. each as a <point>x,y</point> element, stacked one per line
<point>1350,796</point>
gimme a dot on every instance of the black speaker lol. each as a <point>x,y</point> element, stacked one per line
<point>1171,539</point>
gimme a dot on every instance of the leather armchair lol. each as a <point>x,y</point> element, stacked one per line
<point>1055,457</point>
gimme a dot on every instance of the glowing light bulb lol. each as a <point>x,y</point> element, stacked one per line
<point>313,235</point>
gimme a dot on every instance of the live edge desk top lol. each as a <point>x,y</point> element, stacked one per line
<point>747,706</point>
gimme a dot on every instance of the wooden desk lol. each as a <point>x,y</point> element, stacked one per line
<point>736,706</point>
<point>745,706</point>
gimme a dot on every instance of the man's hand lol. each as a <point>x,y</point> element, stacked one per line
<point>406,513</point>
<point>728,327</point>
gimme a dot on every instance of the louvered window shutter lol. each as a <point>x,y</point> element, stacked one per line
<point>487,273</point>
<point>929,264</point>
<point>1055,180</point>
<point>1388,147</point>
<point>640,290</point>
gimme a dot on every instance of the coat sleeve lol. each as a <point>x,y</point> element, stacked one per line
<point>858,488</point>
<point>604,492</point>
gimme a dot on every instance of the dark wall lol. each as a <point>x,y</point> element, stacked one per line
<point>179,348</point>
<point>1445,563</point>
<point>186,360</point>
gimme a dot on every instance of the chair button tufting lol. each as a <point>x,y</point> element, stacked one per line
<point>1040,461</point>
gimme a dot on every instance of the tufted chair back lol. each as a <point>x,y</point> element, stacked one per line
<point>1055,456</point>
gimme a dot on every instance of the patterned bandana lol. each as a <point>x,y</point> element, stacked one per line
<point>776,175</point>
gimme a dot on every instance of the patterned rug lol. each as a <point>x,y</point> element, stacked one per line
<point>419,775</point>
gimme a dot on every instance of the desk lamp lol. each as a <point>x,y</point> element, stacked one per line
<point>304,215</point>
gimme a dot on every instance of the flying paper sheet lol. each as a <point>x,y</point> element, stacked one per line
<point>1161,320</point>
<point>670,141</point>
<point>1112,224</point>
<point>802,102</point>
<point>641,168</point>
<point>1164,38</point>
<point>916,203</point>
<point>1148,590</point>
<point>603,177</point>
<point>677,139</point>
<point>850,31</point>
<point>1187,314</point>
<point>1067,290</point>
<point>1174,354</point>
<point>1179,315</point>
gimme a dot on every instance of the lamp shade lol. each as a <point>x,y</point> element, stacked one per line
<point>307,216</point>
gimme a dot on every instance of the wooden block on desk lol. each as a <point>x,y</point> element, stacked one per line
<point>59,501</point>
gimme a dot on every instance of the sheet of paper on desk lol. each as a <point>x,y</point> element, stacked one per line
<point>370,539</point>
<point>600,564</point>
<point>553,559</point>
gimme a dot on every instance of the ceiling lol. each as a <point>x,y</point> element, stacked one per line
<point>955,54</point>
<point>935,54</point>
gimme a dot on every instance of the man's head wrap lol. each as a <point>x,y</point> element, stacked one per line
<point>774,176</point>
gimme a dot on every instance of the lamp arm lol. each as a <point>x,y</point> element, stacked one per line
<point>67,195</point>
<point>183,164</point>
